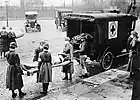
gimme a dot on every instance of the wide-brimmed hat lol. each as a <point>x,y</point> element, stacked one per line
<point>13,45</point>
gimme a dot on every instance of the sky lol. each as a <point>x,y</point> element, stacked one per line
<point>47,2</point>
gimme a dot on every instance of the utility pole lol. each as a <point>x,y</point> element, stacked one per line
<point>64,4</point>
<point>72,4</point>
<point>6,2</point>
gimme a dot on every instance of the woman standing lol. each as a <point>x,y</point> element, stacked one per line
<point>45,73</point>
<point>38,50</point>
<point>14,72</point>
<point>68,68</point>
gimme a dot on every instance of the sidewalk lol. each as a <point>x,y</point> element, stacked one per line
<point>93,89</point>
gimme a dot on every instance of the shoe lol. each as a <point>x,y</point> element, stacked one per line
<point>14,95</point>
<point>22,94</point>
<point>65,78</point>
<point>44,93</point>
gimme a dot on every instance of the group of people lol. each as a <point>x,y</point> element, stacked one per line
<point>14,70</point>
<point>6,37</point>
<point>44,59</point>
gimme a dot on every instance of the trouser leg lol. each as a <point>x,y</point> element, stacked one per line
<point>66,76</point>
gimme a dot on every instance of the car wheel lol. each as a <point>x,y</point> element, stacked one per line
<point>107,60</point>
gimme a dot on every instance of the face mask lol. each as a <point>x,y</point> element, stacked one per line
<point>41,47</point>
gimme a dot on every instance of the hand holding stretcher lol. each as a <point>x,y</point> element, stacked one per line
<point>30,69</point>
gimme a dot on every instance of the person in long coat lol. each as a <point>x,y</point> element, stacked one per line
<point>136,74</point>
<point>38,50</point>
<point>14,73</point>
<point>4,44</point>
<point>11,35</point>
<point>68,51</point>
<point>45,72</point>
<point>131,45</point>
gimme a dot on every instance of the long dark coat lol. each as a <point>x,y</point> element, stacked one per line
<point>36,53</point>
<point>11,37</point>
<point>45,73</point>
<point>36,56</point>
<point>136,77</point>
<point>4,42</point>
<point>14,72</point>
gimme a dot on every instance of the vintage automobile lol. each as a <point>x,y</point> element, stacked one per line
<point>31,25</point>
<point>59,18</point>
<point>110,32</point>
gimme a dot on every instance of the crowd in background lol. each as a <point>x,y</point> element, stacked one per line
<point>6,37</point>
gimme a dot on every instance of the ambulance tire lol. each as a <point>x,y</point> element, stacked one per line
<point>107,60</point>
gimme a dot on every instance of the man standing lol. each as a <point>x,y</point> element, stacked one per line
<point>83,54</point>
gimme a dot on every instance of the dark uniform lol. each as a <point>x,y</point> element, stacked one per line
<point>136,74</point>
<point>14,72</point>
<point>36,55</point>
<point>45,73</point>
<point>11,36</point>
<point>132,41</point>
<point>4,42</point>
<point>84,52</point>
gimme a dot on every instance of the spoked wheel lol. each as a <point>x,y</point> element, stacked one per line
<point>107,60</point>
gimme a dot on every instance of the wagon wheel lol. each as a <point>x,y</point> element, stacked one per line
<point>107,60</point>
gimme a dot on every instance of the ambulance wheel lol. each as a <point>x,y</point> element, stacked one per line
<point>107,60</point>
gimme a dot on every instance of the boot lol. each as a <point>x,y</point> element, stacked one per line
<point>45,88</point>
<point>21,94</point>
<point>14,95</point>
<point>70,77</point>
